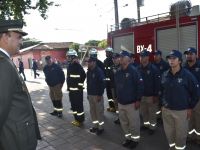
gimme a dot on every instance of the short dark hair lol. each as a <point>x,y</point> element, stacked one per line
<point>47,57</point>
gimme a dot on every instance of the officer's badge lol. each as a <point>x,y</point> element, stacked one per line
<point>114,71</point>
<point>180,80</point>
<point>127,75</point>
<point>93,75</point>
<point>197,69</point>
<point>161,67</point>
<point>148,71</point>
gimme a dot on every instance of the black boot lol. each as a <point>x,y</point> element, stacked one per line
<point>59,106</point>
<point>54,113</point>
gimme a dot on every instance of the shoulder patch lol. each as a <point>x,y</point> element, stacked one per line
<point>1,57</point>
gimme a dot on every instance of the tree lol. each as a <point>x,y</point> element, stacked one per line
<point>16,9</point>
<point>103,44</point>
<point>29,42</point>
<point>92,43</point>
<point>75,46</point>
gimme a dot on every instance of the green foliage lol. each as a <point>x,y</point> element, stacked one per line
<point>29,42</point>
<point>92,43</point>
<point>16,9</point>
<point>103,44</point>
<point>75,46</point>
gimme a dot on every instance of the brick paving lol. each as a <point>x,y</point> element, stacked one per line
<point>59,134</point>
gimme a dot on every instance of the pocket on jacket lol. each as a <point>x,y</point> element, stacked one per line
<point>26,135</point>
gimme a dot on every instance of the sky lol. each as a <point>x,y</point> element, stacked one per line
<point>83,20</point>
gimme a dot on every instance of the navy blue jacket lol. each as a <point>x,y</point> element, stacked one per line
<point>95,81</point>
<point>54,75</point>
<point>100,65</point>
<point>35,66</point>
<point>129,85</point>
<point>179,91</point>
<point>162,66</point>
<point>151,77</point>
<point>195,69</point>
<point>75,76</point>
<point>21,66</point>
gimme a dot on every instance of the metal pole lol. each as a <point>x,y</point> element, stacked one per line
<point>116,15</point>
<point>178,26</point>
<point>138,10</point>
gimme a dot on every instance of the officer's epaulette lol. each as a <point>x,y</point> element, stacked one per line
<point>1,57</point>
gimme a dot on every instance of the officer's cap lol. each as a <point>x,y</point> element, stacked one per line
<point>191,50</point>
<point>176,54</point>
<point>116,55</point>
<point>157,52</point>
<point>12,25</point>
<point>124,53</point>
<point>144,53</point>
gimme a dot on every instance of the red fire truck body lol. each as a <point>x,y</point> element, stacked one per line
<point>163,33</point>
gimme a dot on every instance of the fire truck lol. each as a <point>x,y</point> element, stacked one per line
<point>163,31</point>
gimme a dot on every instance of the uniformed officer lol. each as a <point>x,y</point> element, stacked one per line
<point>162,66</point>
<point>93,53</point>
<point>108,63</point>
<point>21,68</point>
<point>193,65</point>
<point>55,78</point>
<point>159,62</point>
<point>35,68</point>
<point>75,81</point>
<point>18,123</point>
<point>95,90</point>
<point>129,87</point>
<point>133,62</point>
<point>151,77</point>
<point>115,68</point>
<point>179,91</point>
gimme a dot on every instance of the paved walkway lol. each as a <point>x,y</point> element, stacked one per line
<point>59,134</point>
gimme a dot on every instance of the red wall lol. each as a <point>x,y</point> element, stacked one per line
<point>39,55</point>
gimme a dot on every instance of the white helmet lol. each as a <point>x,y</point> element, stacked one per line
<point>109,49</point>
<point>72,52</point>
<point>93,52</point>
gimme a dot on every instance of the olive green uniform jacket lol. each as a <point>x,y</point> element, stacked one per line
<point>18,123</point>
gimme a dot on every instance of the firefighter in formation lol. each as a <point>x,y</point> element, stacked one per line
<point>75,81</point>
<point>108,63</point>
<point>193,65</point>
<point>54,77</point>
<point>95,90</point>
<point>179,95</point>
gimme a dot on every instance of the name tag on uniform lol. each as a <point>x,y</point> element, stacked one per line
<point>127,75</point>
<point>197,69</point>
<point>148,71</point>
<point>180,80</point>
<point>93,75</point>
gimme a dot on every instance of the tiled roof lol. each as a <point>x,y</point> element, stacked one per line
<point>46,46</point>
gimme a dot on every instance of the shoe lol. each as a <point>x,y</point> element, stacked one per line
<point>111,109</point>
<point>117,121</point>
<point>60,115</point>
<point>93,130</point>
<point>160,121</point>
<point>190,140</point>
<point>54,113</point>
<point>151,132</point>
<point>99,131</point>
<point>76,123</point>
<point>126,143</point>
<point>133,144</point>
<point>143,128</point>
<point>197,142</point>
